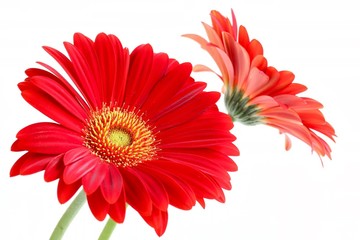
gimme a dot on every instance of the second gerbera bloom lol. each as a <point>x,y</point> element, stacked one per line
<point>256,93</point>
<point>136,130</point>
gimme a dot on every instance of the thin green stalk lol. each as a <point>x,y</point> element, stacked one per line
<point>108,230</point>
<point>68,216</point>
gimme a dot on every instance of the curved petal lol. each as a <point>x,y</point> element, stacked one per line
<point>92,180</point>
<point>54,169</point>
<point>43,102</point>
<point>168,86</point>
<point>155,188</point>
<point>117,210</point>
<point>85,78</point>
<point>136,192</point>
<point>35,163</point>
<point>77,154</point>
<point>112,185</point>
<point>189,110</point>
<point>66,191</point>
<point>75,170</point>
<point>141,56</point>
<point>46,138</point>
<point>158,220</point>
<point>180,195</point>
<point>98,205</point>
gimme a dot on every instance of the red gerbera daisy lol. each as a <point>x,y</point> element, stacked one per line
<point>257,93</point>
<point>136,130</point>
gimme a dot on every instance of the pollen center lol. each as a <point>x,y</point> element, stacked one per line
<point>120,137</point>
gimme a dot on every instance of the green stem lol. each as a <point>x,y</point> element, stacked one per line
<point>108,229</point>
<point>68,216</point>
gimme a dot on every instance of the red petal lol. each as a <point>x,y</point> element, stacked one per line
<point>54,169</point>
<point>202,184</point>
<point>158,220</point>
<point>255,48</point>
<point>105,66</point>
<point>183,96</point>
<point>168,86</point>
<point>43,102</point>
<point>243,37</point>
<point>141,60</point>
<point>52,139</point>
<point>156,190</point>
<point>205,160</point>
<point>60,95</point>
<point>98,205</point>
<point>92,180</point>
<point>188,111</point>
<point>158,70</point>
<point>240,61</point>
<point>55,76</point>
<point>122,68</point>
<point>180,195</point>
<point>117,210</point>
<point>136,193</point>
<point>85,80</point>
<point>77,154</point>
<point>45,128</point>
<point>86,48</point>
<point>15,169</point>
<point>65,191</point>
<point>112,185</point>
<point>76,170</point>
<point>35,163</point>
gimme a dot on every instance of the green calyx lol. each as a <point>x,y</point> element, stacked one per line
<point>239,109</point>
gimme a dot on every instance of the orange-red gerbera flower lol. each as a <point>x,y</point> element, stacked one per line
<point>257,93</point>
<point>136,130</point>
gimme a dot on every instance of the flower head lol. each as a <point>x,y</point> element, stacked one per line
<point>136,129</point>
<point>256,93</point>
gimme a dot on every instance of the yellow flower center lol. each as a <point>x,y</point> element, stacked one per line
<point>120,137</point>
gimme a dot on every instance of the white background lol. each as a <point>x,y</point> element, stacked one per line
<point>276,194</point>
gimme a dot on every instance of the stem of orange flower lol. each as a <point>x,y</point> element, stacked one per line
<point>68,216</point>
<point>108,230</point>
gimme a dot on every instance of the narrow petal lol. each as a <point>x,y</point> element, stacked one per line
<point>98,205</point>
<point>208,162</point>
<point>158,220</point>
<point>77,154</point>
<point>66,191</point>
<point>112,185</point>
<point>49,107</point>
<point>74,171</point>
<point>240,60</point>
<point>202,185</point>
<point>158,70</point>
<point>189,110</point>
<point>180,195</point>
<point>136,193</point>
<point>117,210</point>
<point>35,163</point>
<point>60,95</point>
<point>168,86</point>
<point>54,169</point>
<point>85,80</point>
<point>92,180</point>
<point>141,56</point>
<point>53,139</point>
<point>156,190</point>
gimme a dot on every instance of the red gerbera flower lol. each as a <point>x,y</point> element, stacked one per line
<point>137,130</point>
<point>257,93</point>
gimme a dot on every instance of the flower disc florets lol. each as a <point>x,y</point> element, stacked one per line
<point>120,137</point>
